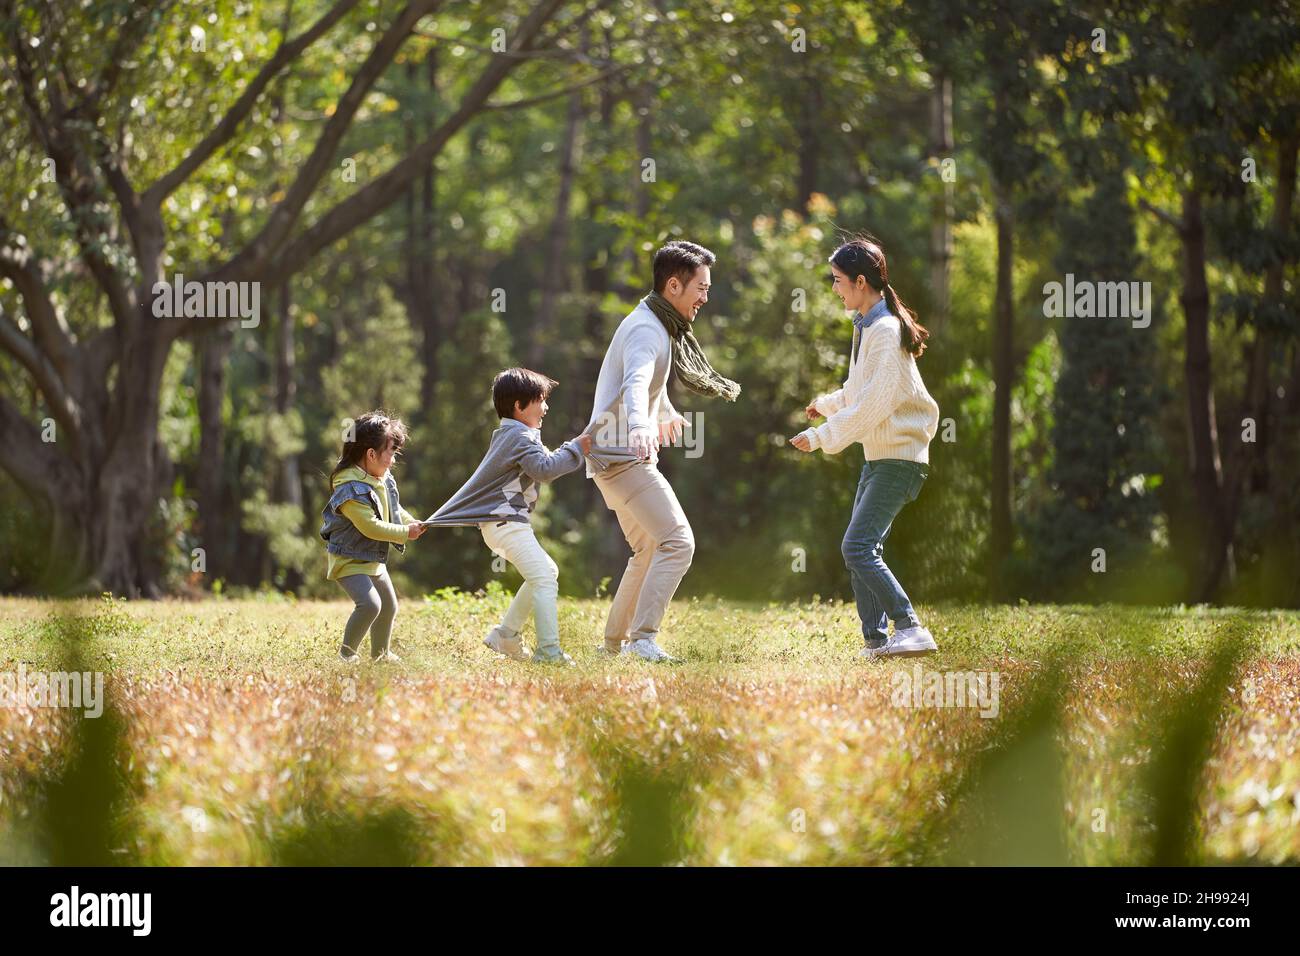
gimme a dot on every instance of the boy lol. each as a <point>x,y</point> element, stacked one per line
<point>499,499</point>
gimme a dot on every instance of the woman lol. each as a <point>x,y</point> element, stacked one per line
<point>885,407</point>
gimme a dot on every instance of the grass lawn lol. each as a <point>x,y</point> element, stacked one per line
<point>235,736</point>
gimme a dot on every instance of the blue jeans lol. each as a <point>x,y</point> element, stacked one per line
<point>885,486</point>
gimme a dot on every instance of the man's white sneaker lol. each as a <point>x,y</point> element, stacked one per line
<point>648,649</point>
<point>501,641</point>
<point>387,657</point>
<point>908,642</point>
<point>350,657</point>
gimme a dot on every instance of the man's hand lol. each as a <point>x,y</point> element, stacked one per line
<point>415,529</point>
<point>670,432</point>
<point>801,442</point>
<point>584,443</point>
<point>811,412</point>
<point>643,443</point>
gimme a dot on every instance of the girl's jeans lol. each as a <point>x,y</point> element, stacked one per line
<point>885,486</point>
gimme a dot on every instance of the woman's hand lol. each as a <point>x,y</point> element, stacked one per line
<point>801,442</point>
<point>811,412</point>
<point>415,529</point>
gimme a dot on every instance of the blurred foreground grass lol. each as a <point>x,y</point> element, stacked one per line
<point>234,736</point>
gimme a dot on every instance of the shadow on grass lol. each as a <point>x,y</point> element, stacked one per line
<point>1007,803</point>
<point>80,802</point>
<point>332,828</point>
<point>83,808</point>
<point>652,803</point>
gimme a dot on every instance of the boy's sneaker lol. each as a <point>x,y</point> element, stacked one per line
<point>552,655</point>
<point>907,642</point>
<point>646,648</point>
<point>870,650</point>
<point>503,642</point>
<point>348,655</point>
<point>388,657</point>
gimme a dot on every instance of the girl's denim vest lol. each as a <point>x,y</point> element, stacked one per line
<point>342,537</point>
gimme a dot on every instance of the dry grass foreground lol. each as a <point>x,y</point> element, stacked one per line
<point>234,736</point>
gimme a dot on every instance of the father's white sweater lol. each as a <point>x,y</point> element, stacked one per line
<point>632,388</point>
<point>884,404</point>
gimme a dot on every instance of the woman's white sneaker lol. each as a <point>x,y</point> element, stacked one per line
<point>907,642</point>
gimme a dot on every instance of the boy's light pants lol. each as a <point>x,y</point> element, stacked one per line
<point>662,547</point>
<point>515,541</point>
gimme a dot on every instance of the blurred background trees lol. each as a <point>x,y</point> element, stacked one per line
<point>431,191</point>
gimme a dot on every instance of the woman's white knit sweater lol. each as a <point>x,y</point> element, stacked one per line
<point>883,405</point>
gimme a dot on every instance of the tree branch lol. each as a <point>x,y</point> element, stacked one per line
<point>262,247</point>
<point>1167,218</point>
<point>378,194</point>
<point>225,128</point>
<point>65,410</point>
<point>34,464</point>
<point>562,91</point>
<point>48,327</point>
<point>78,186</point>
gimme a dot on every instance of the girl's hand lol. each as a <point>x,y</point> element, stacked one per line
<point>801,442</point>
<point>811,412</point>
<point>414,530</point>
<point>584,443</point>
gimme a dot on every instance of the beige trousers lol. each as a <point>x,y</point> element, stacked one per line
<point>662,547</point>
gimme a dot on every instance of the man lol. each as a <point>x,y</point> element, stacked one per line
<point>631,418</point>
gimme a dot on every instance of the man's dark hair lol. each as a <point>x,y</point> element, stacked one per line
<point>681,259</point>
<point>520,385</point>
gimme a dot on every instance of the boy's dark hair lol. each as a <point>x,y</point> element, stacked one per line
<point>372,430</point>
<point>680,258</point>
<point>521,385</point>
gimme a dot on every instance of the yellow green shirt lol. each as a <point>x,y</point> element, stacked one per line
<point>363,516</point>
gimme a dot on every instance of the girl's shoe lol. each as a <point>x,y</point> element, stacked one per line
<point>552,656</point>
<point>503,642</point>
<point>907,642</point>
<point>349,656</point>
<point>388,657</point>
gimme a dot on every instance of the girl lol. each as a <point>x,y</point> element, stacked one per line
<point>363,517</point>
<point>885,407</point>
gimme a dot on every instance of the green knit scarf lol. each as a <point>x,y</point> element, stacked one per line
<point>692,368</point>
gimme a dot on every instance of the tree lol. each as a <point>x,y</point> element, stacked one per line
<point>100,382</point>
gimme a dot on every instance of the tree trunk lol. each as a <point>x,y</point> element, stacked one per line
<point>1000,536</point>
<point>941,203</point>
<point>809,120</point>
<point>553,281</point>
<point>1203,433</point>
<point>215,524</point>
<point>288,479</point>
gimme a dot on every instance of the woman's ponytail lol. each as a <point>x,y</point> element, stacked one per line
<point>913,333</point>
